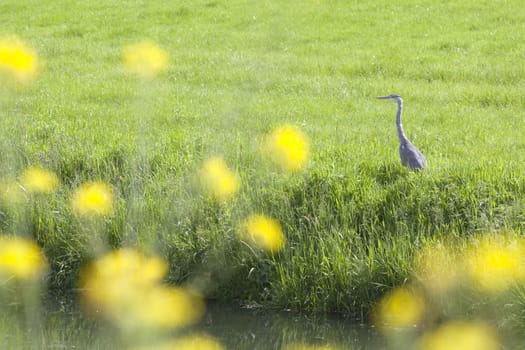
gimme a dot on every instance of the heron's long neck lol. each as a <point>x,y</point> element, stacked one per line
<point>400,133</point>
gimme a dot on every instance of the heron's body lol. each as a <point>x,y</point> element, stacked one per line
<point>410,155</point>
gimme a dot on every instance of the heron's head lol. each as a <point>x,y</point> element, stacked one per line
<point>393,97</point>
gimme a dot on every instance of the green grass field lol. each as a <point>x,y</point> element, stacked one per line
<point>355,218</point>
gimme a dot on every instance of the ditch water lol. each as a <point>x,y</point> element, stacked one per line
<point>234,328</point>
<point>246,329</point>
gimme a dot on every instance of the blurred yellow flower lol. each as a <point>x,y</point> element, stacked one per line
<point>145,59</point>
<point>17,60</point>
<point>125,286</point>
<point>93,198</point>
<point>495,265</point>
<point>437,268</point>
<point>263,232</point>
<point>21,258</point>
<point>217,179</point>
<point>288,148</point>
<point>401,308</point>
<point>39,180</point>
<point>108,279</point>
<point>12,192</point>
<point>129,265</point>
<point>169,307</point>
<point>197,342</point>
<point>461,336</point>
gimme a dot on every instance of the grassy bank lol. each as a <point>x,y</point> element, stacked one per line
<point>354,219</point>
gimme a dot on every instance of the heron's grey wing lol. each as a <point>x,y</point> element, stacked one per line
<point>411,157</point>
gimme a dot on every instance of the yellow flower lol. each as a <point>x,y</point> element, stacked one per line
<point>263,232</point>
<point>125,287</point>
<point>188,342</point>
<point>461,336</point>
<point>112,277</point>
<point>401,308</point>
<point>288,148</point>
<point>93,198</point>
<point>21,258</point>
<point>495,265</point>
<point>129,265</point>
<point>167,307</point>
<point>145,59</point>
<point>17,60</point>
<point>198,342</point>
<point>39,180</point>
<point>218,180</point>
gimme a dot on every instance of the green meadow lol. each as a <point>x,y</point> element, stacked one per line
<point>354,219</point>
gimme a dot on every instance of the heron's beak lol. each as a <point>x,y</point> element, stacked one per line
<point>383,97</point>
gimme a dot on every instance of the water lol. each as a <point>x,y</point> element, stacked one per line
<point>234,328</point>
<point>246,329</point>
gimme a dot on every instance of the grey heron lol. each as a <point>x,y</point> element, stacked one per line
<point>410,155</point>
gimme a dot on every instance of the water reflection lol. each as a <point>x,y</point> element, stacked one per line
<point>54,330</point>
<point>247,329</point>
<point>234,328</point>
